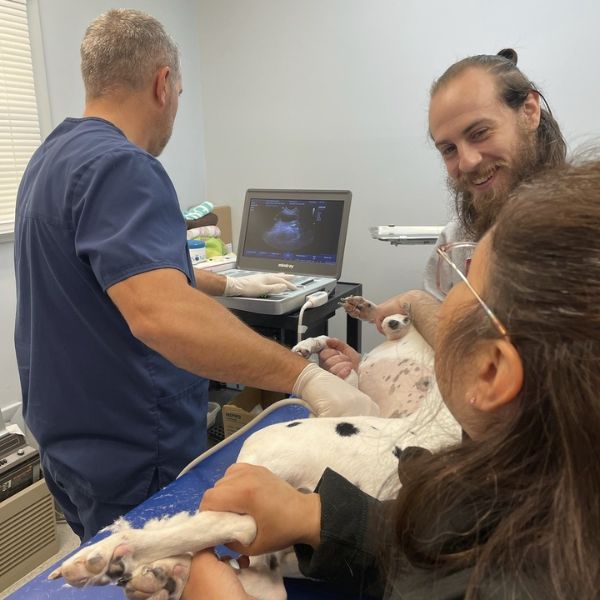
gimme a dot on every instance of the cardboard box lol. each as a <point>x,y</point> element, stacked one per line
<point>224,223</point>
<point>242,407</point>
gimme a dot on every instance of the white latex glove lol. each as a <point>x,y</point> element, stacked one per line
<point>260,284</point>
<point>330,396</point>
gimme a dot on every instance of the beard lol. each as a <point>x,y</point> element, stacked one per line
<point>477,213</point>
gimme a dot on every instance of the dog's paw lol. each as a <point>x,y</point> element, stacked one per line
<point>161,580</point>
<point>310,346</point>
<point>359,308</point>
<point>98,564</point>
<point>396,326</point>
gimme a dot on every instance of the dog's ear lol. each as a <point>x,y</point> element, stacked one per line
<point>407,309</point>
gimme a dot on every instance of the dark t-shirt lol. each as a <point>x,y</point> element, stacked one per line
<point>92,210</point>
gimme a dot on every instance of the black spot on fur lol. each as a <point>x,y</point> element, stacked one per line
<point>159,573</point>
<point>346,429</point>
<point>273,562</point>
<point>170,585</point>
<point>423,384</point>
<point>116,569</point>
<point>397,452</point>
<point>293,424</point>
<point>123,581</point>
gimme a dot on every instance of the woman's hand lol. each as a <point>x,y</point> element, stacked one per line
<point>284,516</point>
<point>212,579</point>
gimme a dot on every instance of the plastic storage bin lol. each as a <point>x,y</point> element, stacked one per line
<point>213,411</point>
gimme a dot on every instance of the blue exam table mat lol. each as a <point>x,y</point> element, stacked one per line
<point>183,494</point>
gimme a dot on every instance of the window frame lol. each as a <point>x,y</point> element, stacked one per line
<point>39,81</point>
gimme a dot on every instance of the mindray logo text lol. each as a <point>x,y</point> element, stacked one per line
<point>285,266</point>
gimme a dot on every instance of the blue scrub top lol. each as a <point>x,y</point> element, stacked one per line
<point>92,210</point>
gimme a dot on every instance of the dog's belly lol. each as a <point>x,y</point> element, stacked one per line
<point>397,375</point>
<point>364,450</point>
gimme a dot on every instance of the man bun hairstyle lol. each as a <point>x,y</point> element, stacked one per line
<point>123,48</point>
<point>509,54</point>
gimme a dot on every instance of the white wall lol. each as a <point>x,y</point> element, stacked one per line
<point>63,24</point>
<point>331,94</point>
<point>334,94</point>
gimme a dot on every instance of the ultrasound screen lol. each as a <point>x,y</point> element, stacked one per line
<point>294,230</point>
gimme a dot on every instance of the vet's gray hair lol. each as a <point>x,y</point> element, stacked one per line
<point>123,48</point>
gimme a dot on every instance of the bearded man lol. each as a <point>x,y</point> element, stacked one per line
<point>488,121</point>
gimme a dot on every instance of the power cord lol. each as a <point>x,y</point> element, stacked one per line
<point>312,301</point>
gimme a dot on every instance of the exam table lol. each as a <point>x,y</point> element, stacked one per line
<point>184,495</point>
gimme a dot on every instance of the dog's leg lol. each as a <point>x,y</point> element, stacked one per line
<point>161,580</point>
<point>117,556</point>
<point>311,346</point>
<point>359,308</point>
<point>165,579</point>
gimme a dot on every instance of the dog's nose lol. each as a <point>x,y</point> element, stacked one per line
<point>393,324</point>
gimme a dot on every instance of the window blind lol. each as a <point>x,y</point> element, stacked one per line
<point>19,123</point>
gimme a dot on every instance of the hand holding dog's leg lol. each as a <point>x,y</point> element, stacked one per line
<point>283,515</point>
<point>118,556</point>
<point>424,309</point>
<point>339,358</point>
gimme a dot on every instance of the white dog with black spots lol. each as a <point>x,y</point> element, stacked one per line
<point>153,562</point>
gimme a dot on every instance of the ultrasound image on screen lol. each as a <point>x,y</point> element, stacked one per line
<point>301,230</point>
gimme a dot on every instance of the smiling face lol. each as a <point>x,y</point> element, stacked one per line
<point>487,146</point>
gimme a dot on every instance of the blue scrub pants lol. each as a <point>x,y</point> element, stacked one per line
<point>84,513</point>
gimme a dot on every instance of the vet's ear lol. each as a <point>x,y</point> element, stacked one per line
<point>531,110</point>
<point>499,376</point>
<point>162,81</point>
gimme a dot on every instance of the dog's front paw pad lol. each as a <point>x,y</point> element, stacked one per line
<point>302,349</point>
<point>310,346</point>
<point>359,307</point>
<point>96,565</point>
<point>161,580</point>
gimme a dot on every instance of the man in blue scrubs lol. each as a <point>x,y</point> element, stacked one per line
<point>114,343</point>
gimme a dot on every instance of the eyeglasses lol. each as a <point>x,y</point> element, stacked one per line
<point>454,261</point>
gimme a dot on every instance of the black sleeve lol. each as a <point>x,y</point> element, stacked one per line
<point>351,544</point>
